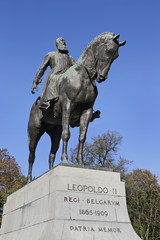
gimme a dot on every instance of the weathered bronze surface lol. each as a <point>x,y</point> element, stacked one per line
<point>69,94</point>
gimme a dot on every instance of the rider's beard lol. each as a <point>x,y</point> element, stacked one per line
<point>63,48</point>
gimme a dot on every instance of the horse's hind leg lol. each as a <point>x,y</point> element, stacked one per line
<point>84,121</point>
<point>55,136</point>
<point>65,130</point>
<point>34,135</point>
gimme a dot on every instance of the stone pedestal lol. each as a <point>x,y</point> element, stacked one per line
<point>69,203</point>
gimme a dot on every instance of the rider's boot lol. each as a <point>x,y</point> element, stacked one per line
<point>44,105</point>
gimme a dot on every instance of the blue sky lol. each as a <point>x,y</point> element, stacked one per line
<point>129,100</point>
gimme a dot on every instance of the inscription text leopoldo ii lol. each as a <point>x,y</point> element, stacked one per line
<point>91,189</point>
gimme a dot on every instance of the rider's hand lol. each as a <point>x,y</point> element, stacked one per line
<point>34,87</point>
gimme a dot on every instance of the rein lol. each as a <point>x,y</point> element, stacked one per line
<point>90,78</point>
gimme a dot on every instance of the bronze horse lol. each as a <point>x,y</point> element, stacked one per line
<point>77,93</point>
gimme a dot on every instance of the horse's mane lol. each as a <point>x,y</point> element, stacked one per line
<point>103,37</point>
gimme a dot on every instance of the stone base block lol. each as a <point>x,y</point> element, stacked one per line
<point>69,203</point>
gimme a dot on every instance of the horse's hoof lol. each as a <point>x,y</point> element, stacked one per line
<point>65,161</point>
<point>80,162</point>
<point>29,179</point>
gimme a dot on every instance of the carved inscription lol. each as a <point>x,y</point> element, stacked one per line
<point>92,201</point>
<point>82,228</point>
<point>94,229</point>
<point>93,213</point>
<point>101,197</point>
<point>89,202</point>
<point>102,202</point>
<point>71,199</point>
<point>91,189</point>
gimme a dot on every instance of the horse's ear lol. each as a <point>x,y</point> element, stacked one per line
<point>116,38</point>
<point>122,43</point>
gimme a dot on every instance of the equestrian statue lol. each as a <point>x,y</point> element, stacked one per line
<point>69,94</point>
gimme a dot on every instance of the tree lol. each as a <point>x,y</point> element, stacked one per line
<point>143,200</point>
<point>102,152</point>
<point>2,201</point>
<point>11,177</point>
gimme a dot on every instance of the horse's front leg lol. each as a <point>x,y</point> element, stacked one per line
<point>84,121</point>
<point>65,130</point>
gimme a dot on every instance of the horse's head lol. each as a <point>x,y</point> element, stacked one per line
<point>106,52</point>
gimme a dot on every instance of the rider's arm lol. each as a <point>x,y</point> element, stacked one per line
<point>39,74</point>
<point>41,70</point>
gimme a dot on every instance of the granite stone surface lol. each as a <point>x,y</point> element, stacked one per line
<point>69,203</point>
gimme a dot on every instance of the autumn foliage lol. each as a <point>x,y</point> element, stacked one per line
<point>143,199</point>
<point>11,177</point>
